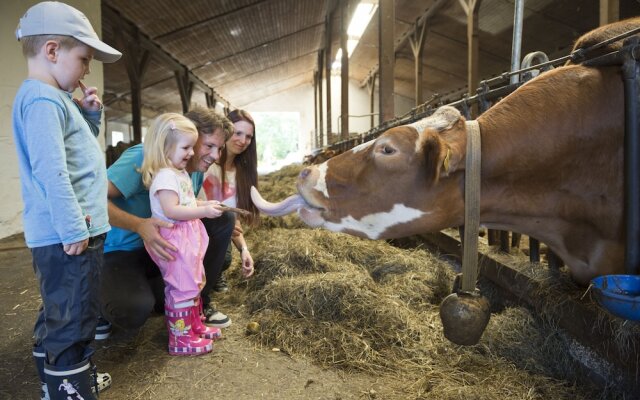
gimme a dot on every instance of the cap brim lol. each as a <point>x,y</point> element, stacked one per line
<point>103,52</point>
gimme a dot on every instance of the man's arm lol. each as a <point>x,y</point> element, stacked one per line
<point>147,228</point>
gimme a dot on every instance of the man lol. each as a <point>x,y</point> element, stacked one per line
<point>132,285</point>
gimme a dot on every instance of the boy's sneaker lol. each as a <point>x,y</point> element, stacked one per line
<point>221,285</point>
<point>103,381</point>
<point>215,318</point>
<point>103,330</point>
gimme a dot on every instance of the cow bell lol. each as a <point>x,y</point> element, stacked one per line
<point>464,316</point>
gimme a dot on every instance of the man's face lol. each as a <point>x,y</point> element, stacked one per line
<point>207,151</point>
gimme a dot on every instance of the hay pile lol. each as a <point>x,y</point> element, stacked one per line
<point>367,306</point>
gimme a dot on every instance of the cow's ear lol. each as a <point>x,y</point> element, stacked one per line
<point>453,143</point>
<point>443,151</point>
<point>432,153</point>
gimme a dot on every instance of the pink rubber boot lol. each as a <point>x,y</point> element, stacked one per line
<point>198,327</point>
<point>181,340</point>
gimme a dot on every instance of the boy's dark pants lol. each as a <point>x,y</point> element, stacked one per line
<point>69,285</point>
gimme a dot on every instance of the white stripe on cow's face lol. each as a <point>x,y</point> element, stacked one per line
<point>374,225</point>
<point>321,183</point>
<point>362,146</point>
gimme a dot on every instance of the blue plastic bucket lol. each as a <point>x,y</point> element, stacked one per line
<point>619,294</point>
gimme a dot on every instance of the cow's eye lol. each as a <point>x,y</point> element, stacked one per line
<point>387,150</point>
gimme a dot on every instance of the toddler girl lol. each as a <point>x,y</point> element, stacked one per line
<point>168,146</point>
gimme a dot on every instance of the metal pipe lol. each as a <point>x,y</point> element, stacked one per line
<point>631,71</point>
<point>516,46</point>
<point>516,43</point>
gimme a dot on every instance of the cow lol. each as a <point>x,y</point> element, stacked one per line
<point>603,33</point>
<point>552,168</point>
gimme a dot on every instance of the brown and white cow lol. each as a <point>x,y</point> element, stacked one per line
<point>552,168</point>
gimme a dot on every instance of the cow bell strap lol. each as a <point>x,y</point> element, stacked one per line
<point>471,208</point>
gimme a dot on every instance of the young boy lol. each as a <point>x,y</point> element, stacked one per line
<point>64,190</point>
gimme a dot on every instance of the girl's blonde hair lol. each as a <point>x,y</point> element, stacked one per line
<point>160,141</point>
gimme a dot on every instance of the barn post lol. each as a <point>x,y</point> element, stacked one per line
<point>328,56</point>
<point>321,56</point>
<point>609,11</point>
<point>185,88</point>
<point>314,139</point>
<point>344,71</point>
<point>136,61</point>
<point>371,87</point>
<point>210,98</point>
<point>386,56</point>
<point>417,40</point>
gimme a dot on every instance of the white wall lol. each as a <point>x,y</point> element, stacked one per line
<point>300,99</point>
<point>13,70</point>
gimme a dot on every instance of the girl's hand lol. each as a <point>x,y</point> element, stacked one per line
<point>90,101</point>
<point>211,210</point>
<point>247,263</point>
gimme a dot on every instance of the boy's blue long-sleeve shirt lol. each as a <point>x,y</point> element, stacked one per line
<point>62,167</point>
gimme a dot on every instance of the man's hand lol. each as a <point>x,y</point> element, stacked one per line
<point>149,231</point>
<point>75,249</point>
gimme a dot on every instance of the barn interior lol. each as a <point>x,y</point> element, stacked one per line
<point>274,56</point>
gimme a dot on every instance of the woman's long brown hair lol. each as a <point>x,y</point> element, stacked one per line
<point>246,164</point>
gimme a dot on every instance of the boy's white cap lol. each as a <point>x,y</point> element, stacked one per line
<point>55,18</point>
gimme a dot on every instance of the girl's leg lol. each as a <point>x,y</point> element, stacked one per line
<point>198,327</point>
<point>182,341</point>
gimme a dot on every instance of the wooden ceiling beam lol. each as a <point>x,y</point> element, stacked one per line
<point>155,50</point>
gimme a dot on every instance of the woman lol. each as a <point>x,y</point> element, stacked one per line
<point>230,180</point>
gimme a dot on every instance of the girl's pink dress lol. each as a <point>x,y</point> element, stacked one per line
<point>184,276</point>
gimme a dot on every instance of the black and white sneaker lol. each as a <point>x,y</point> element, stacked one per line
<point>103,330</point>
<point>102,381</point>
<point>215,318</point>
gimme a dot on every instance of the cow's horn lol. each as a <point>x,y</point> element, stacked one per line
<point>286,206</point>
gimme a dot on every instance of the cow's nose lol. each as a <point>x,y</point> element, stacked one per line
<point>308,177</point>
<point>304,173</point>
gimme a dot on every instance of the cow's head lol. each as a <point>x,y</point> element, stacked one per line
<point>402,183</point>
